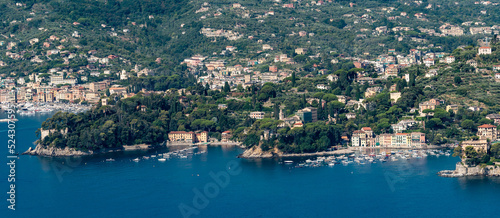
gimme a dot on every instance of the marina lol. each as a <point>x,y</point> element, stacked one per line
<point>34,108</point>
<point>361,158</point>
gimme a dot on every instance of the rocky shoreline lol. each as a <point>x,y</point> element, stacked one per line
<point>52,151</point>
<point>68,152</point>
<point>462,170</point>
<point>256,152</point>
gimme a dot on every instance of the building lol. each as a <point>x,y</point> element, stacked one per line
<point>452,107</point>
<point>478,145</point>
<point>58,80</point>
<point>257,115</point>
<point>300,51</point>
<point>273,69</point>
<point>188,136</point>
<point>226,136</point>
<point>222,106</point>
<point>332,78</point>
<point>487,131</point>
<point>117,90</point>
<point>201,136</point>
<point>392,70</point>
<point>449,59</point>
<point>395,96</point>
<point>360,139</point>
<point>429,62</point>
<point>182,136</point>
<point>484,50</point>
<point>494,117</point>
<point>313,111</point>
<point>322,86</point>
<point>304,115</point>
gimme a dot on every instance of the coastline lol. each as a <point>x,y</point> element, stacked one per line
<point>256,152</point>
<point>68,152</point>
<point>462,170</point>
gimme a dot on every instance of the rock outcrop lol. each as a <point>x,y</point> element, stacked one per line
<point>52,151</point>
<point>257,152</point>
<point>464,170</point>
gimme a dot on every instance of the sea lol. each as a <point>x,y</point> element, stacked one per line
<point>215,183</point>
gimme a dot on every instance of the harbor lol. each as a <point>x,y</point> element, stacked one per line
<point>34,108</point>
<point>367,157</point>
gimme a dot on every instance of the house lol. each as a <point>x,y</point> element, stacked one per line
<point>117,90</point>
<point>372,91</point>
<point>485,50</point>
<point>431,73</point>
<point>487,131</point>
<point>350,116</point>
<point>392,70</point>
<point>361,138</point>
<point>452,107</point>
<point>395,96</point>
<point>472,62</point>
<point>497,75</point>
<point>257,115</point>
<point>226,136</point>
<point>496,67</point>
<point>478,145</point>
<point>299,124</point>
<point>474,108</point>
<point>222,106</point>
<point>267,47</point>
<point>449,59</point>
<point>429,62</point>
<point>332,78</point>
<point>300,51</point>
<point>273,69</point>
<point>494,117</point>
<point>366,80</point>
<point>322,87</point>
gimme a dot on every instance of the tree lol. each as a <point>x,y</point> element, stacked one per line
<point>226,87</point>
<point>457,80</point>
<point>434,123</point>
<point>458,151</point>
<point>412,80</point>
<point>467,124</point>
<point>293,79</point>
<point>495,150</point>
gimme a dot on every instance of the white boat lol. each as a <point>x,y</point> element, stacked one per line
<point>153,156</point>
<point>110,160</point>
<point>288,162</point>
<point>162,159</point>
<point>136,160</point>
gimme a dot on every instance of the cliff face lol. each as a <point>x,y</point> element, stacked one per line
<point>256,152</point>
<point>464,170</point>
<point>52,151</point>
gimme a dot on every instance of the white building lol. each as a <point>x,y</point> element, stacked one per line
<point>257,115</point>
<point>484,51</point>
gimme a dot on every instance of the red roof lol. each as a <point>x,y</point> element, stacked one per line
<point>485,47</point>
<point>366,129</point>
<point>486,126</point>
<point>401,133</point>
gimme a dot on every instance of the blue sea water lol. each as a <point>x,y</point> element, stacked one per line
<point>91,187</point>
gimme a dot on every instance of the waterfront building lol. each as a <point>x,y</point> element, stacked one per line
<point>487,131</point>
<point>226,136</point>
<point>478,145</point>
<point>188,136</point>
